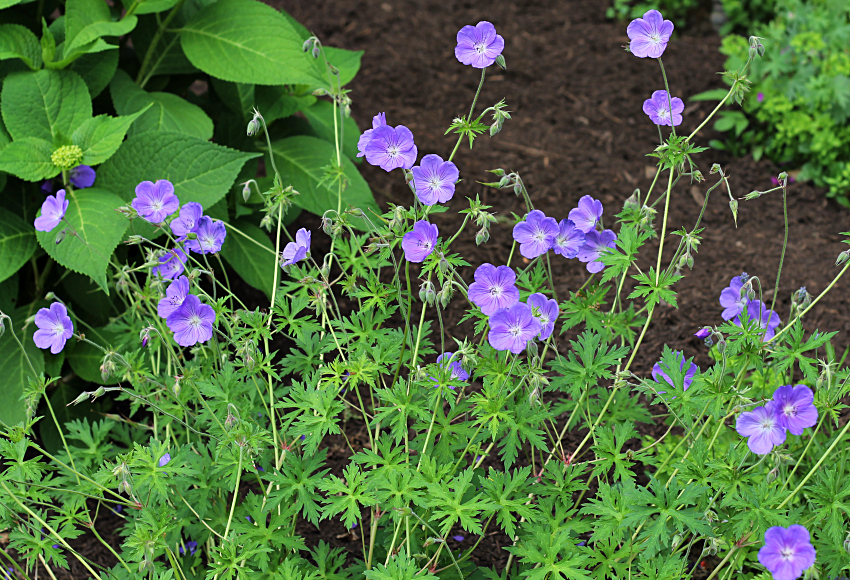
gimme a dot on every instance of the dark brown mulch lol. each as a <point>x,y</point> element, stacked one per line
<point>577,129</point>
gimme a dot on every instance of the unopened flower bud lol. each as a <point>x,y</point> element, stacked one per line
<point>847,543</point>
<point>714,169</point>
<point>444,265</point>
<point>733,205</point>
<point>246,191</point>
<point>532,347</point>
<point>721,345</point>
<point>445,295</point>
<point>145,336</point>
<point>676,541</point>
<point>842,257</point>
<point>134,240</point>
<point>517,188</point>
<point>60,237</point>
<point>427,293</point>
<point>2,327</point>
<point>633,202</point>
<point>307,44</point>
<point>504,181</point>
<point>482,236</point>
<point>703,332</point>
<point>500,60</point>
<point>107,367</point>
<point>495,128</point>
<point>316,52</point>
<point>698,176</point>
<point>253,126</point>
<point>801,298</point>
<point>497,172</point>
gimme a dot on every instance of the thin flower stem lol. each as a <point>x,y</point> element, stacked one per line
<point>141,79</point>
<point>663,228</point>
<point>669,98</point>
<point>800,460</point>
<point>784,246</point>
<point>235,495</point>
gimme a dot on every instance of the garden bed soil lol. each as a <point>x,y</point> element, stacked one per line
<point>577,129</point>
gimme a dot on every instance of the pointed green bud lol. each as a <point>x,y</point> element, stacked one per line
<point>733,205</point>
<point>500,60</point>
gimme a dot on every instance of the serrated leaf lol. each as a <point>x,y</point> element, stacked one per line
<point>245,41</point>
<point>88,20</point>
<point>101,136</point>
<point>91,214</point>
<point>44,104</point>
<point>29,159</point>
<point>321,118</point>
<point>17,41</point>
<point>16,370</point>
<point>301,161</point>
<point>96,69</point>
<point>239,97</point>
<point>253,259</point>
<point>17,243</point>
<point>199,170</point>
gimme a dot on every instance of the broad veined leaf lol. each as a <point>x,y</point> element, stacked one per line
<point>347,62</point>
<point>7,3</point>
<point>149,6</point>
<point>17,41</point>
<point>29,159</point>
<point>239,97</point>
<point>101,136</point>
<point>302,161</point>
<point>18,365</point>
<point>245,41</point>
<point>253,258</point>
<point>94,232</point>
<point>276,102</point>
<point>88,20</point>
<point>17,243</point>
<point>321,118</point>
<point>199,170</point>
<point>96,69</point>
<point>167,111</point>
<point>45,104</point>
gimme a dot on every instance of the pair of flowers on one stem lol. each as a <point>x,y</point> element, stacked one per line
<point>791,409</point>
<point>574,237</point>
<point>186,316</point>
<point>736,303</point>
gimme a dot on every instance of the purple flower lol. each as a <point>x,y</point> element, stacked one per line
<point>512,328</point>
<point>569,239</point>
<point>82,176</point>
<point>191,545</point>
<point>659,374</point>
<point>171,264</point>
<point>52,212</point>
<point>391,147</point>
<point>458,538</point>
<point>155,201</point>
<point>760,97</point>
<point>192,322</point>
<point>766,318</point>
<point>163,461</point>
<point>297,250</point>
<point>703,333</point>
<point>649,35</point>
<point>546,311</point>
<point>479,45</point>
<point>175,294</point>
<point>457,372</point>
<point>434,179</point>
<point>47,186</point>
<point>211,234</point>
<point>594,245</point>
<point>587,214</point>
<point>787,552</point>
<point>536,234</point>
<point>378,120</point>
<point>658,109</point>
<point>731,300</point>
<point>188,219</point>
<point>494,288</point>
<point>419,243</point>
<point>794,408</point>
<point>762,427</point>
<point>54,327</point>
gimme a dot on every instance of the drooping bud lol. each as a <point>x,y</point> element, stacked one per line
<point>307,44</point>
<point>517,188</point>
<point>847,543</point>
<point>633,202</point>
<point>444,265</point>
<point>315,52</point>
<point>427,293</point>
<point>500,60</point>
<point>246,191</point>
<point>60,237</point>
<point>482,236</point>
<point>107,367</point>
<point>2,327</point>
<point>842,257</point>
<point>145,336</point>
<point>254,125</point>
<point>801,298</point>
<point>714,169</point>
<point>733,205</point>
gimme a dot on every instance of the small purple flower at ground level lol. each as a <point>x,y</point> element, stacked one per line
<point>192,546</point>
<point>569,239</point>
<point>155,201</point>
<point>794,408</point>
<point>171,265</point>
<point>457,372</point>
<point>479,45</point>
<point>730,298</point>
<point>82,176</point>
<point>163,461</point>
<point>658,108</point>
<point>649,35</point>
<point>660,376</point>
<point>52,212</point>
<point>536,234</point>
<point>458,538</point>
<point>546,311</point>
<point>787,552</point>
<point>703,333</point>
<point>767,319</point>
<point>54,327</point>
<point>762,428</point>
<point>434,179</point>
<point>211,234</point>
<point>760,97</point>
<point>391,147</point>
<point>297,250</point>
<point>494,288</point>
<point>175,294</point>
<point>378,120</point>
<point>187,221</point>
<point>419,243</point>
<point>594,245</point>
<point>587,214</point>
<point>512,328</point>
<point>192,322</point>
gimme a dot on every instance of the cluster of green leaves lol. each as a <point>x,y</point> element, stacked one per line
<point>738,16</point>
<point>799,102</point>
<point>116,88</point>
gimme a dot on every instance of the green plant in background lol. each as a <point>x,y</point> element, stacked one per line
<point>798,105</point>
<point>677,11</point>
<point>736,16</point>
<point>147,90</point>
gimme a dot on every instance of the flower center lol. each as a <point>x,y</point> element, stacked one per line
<point>515,330</point>
<point>655,38</point>
<point>790,410</point>
<point>58,329</point>
<point>663,112</point>
<point>434,182</point>
<point>479,47</point>
<point>544,319</point>
<point>495,291</point>
<point>424,244</point>
<point>176,300</point>
<point>156,205</point>
<point>195,321</point>
<point>766,423</point>
<point>787,553</point>
<point>393,151</point>
<point>540,235</point>
<point>208,241</point>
